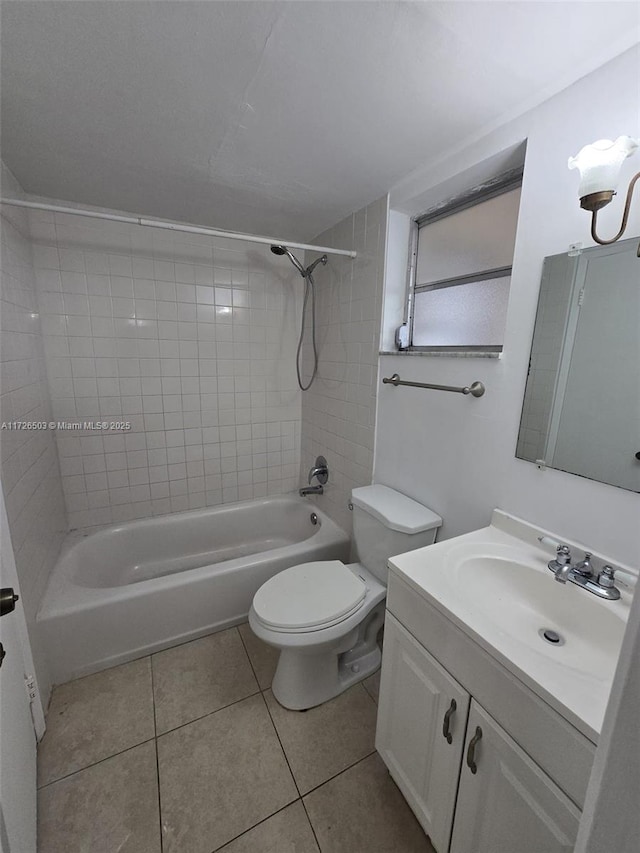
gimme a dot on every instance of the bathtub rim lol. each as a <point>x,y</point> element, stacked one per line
<point>63,595</point>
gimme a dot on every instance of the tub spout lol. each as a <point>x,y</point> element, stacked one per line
<point>311,490</point>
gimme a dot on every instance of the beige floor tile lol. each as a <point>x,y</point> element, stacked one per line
<point>95,717</point>
<point>325,740</point>
<point>372,685</point>
<point>111,806</point>
<point>362,811</point>
<point>197,678</point>
<point>289,831</point>
<point>219,776</point>
<point>264,658</point>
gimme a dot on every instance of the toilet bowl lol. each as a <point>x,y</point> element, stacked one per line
<point>324,617</point>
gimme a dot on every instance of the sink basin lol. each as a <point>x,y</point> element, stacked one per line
<point>494,584</point>
<point>524,601</point>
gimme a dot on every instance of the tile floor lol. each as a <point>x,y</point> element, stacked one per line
<point>187,751</point>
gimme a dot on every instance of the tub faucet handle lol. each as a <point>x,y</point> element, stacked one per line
<point>320,470</point>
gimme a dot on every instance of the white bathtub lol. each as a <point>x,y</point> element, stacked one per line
<point>135,588</point>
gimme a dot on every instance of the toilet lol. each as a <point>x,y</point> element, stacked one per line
<point>324,617</point>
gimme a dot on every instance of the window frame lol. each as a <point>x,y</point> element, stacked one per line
<point>508,182</point>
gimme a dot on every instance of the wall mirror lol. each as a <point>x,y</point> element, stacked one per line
<point>581,409</point>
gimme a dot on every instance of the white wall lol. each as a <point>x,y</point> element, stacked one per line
<point>611,822</point>
<point>338,411</point>
<point>190,339</point>
<point>30,472</point>
<point>395,285</point>
<point>456,454</point>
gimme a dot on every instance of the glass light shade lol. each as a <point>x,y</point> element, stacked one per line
<point>600,164</point>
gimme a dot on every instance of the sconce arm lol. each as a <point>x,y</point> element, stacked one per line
<point>625,217</point>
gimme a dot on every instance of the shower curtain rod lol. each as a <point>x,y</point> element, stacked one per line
<point>175,226</point>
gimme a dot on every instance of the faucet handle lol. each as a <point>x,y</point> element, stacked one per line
<point>320,470</point>
<point>561,564</point>
<point>563,555</point>
<point>606,578</point>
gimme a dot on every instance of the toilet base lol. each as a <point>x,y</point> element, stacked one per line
<point>305,679</point>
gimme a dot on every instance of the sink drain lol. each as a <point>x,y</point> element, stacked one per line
<point>551,636</point>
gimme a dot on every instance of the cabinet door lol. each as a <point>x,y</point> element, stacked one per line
<point>421,750</point>
<point>508,805</point>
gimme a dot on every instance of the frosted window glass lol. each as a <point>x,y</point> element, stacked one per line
<point>464,315</point>
<point>481,237</point>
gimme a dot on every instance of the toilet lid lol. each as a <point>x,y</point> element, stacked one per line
<point>309,596</point>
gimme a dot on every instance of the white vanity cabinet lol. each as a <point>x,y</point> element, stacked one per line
<point>508,805</point>
<point>471,786</point>
<point>422,719</point>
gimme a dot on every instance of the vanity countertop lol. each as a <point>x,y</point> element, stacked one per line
<point>494,585</point>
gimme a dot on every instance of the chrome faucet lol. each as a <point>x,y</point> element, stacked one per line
<point>318,471</point>
<point>584,567</point>
<point>321,472</point>
<point>561,566</point>
<point>311,490</point>
<point>582,574</point>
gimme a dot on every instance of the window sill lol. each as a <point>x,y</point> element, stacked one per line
<point>442,354</point>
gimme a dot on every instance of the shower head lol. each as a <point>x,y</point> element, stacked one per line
<point>282,250</point>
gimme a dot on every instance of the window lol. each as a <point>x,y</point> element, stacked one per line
<point>461,272</point>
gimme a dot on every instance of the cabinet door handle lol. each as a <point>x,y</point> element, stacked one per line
<point>447,719</point>
<point>471,751</point>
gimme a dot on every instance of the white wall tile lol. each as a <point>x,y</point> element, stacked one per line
<point>338,411</point>
<point>157,332</point>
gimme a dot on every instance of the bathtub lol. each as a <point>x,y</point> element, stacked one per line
<point>135,588</point>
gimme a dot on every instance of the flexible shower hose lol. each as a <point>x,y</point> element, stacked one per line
<point>309,284</point>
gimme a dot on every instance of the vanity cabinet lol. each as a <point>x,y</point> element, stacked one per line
<point>473,789</point>
<point>508,805</point>
<point>421,727</point>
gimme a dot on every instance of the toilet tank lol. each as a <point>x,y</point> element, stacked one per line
<point>386,523</point>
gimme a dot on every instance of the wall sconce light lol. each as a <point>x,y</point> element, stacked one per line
<point>600,164</point>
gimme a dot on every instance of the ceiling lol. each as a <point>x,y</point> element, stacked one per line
<point>273,117</point>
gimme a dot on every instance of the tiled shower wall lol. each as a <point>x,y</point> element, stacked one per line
<point>339,410</point>
<point>30,474</point>
<point>189,339</point>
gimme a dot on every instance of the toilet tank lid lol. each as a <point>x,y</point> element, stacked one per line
<point>395,510</point>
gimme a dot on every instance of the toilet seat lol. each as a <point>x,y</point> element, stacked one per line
<point>309,597</point>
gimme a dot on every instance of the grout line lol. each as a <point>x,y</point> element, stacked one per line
<point>208,714</point>
<point>246,651</point>
<point>302,796</point>
<point>295,782</point>
<point>339,773</point>
<point>299,797</point>
<point>313,829</point>
<point>94,763</point>
<point>155,743</point>
<point>368,755</point>
<point>153,700</point>
<point>97,672</point>
<point>264,820</point>
<point>375,701</point>
<point>262,692</point>
<point>155,737</point>
<point>149,654</point>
